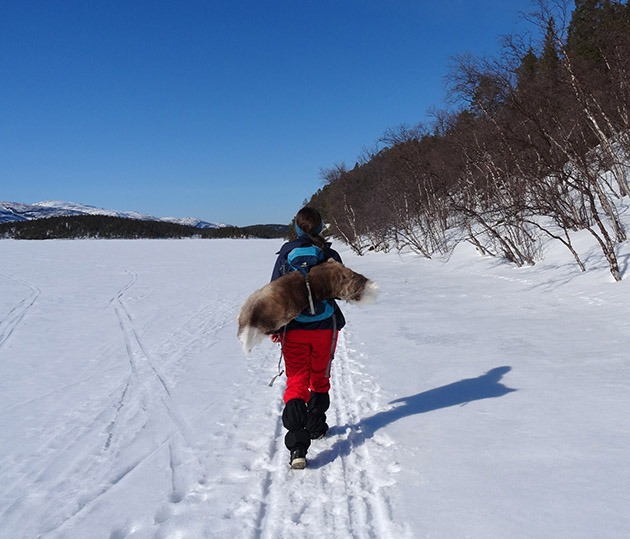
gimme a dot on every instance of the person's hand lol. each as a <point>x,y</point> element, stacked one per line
<point>275,337</point>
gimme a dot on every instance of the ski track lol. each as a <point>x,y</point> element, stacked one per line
<point>340,492</point>
<point>16,315</point>
<point>145,402</point>
<point>344,492</point>
<point>176,349</point>
<point>113,443</point>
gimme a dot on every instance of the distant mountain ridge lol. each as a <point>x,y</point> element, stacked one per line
<point>18,211</point>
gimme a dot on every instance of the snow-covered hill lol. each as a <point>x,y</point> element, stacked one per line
<point>16,211</point>
<point>474,399</point>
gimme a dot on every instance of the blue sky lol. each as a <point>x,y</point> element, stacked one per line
<point>225,110</point>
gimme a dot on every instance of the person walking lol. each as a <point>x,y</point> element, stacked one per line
<point>308,345</point>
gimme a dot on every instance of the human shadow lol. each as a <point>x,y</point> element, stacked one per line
<point>486,386</point>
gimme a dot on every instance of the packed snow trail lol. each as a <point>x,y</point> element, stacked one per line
<point>342,491</point>
<point>472,400</point>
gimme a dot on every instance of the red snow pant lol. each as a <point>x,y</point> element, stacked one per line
<point>307,358</point>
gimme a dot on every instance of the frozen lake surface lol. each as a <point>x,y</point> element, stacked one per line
<point>473,399</point>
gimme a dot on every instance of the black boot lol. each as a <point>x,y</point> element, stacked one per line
<point>316,423</point>
<point>298,459</point>
<point>297,439</point>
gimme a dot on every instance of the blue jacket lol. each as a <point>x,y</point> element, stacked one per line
<point>281,268</point>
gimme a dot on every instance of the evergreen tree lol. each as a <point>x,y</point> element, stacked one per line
<point>100,226</point>
<point>527,71</point>
<point>488,96</point>
<point>587,21</point>
<point>550,59</point>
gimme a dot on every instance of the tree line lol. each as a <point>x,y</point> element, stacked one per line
<point>538,145</point>
<point>107,227</point>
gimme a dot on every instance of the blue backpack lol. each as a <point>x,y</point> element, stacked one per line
<point>302,259</point>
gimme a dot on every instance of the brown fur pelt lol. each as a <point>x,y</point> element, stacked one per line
<point>277,303</point>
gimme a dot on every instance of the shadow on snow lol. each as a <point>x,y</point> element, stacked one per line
<point>486,386</point>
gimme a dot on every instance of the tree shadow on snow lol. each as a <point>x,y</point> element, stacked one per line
<point>486,386</point>
<point>624,263</point>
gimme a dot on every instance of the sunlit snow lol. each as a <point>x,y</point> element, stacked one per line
<point>473,399</point>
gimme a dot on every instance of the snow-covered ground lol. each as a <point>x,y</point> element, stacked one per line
<point>473,399</point>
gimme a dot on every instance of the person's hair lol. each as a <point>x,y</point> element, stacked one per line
<point>309,220</point>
